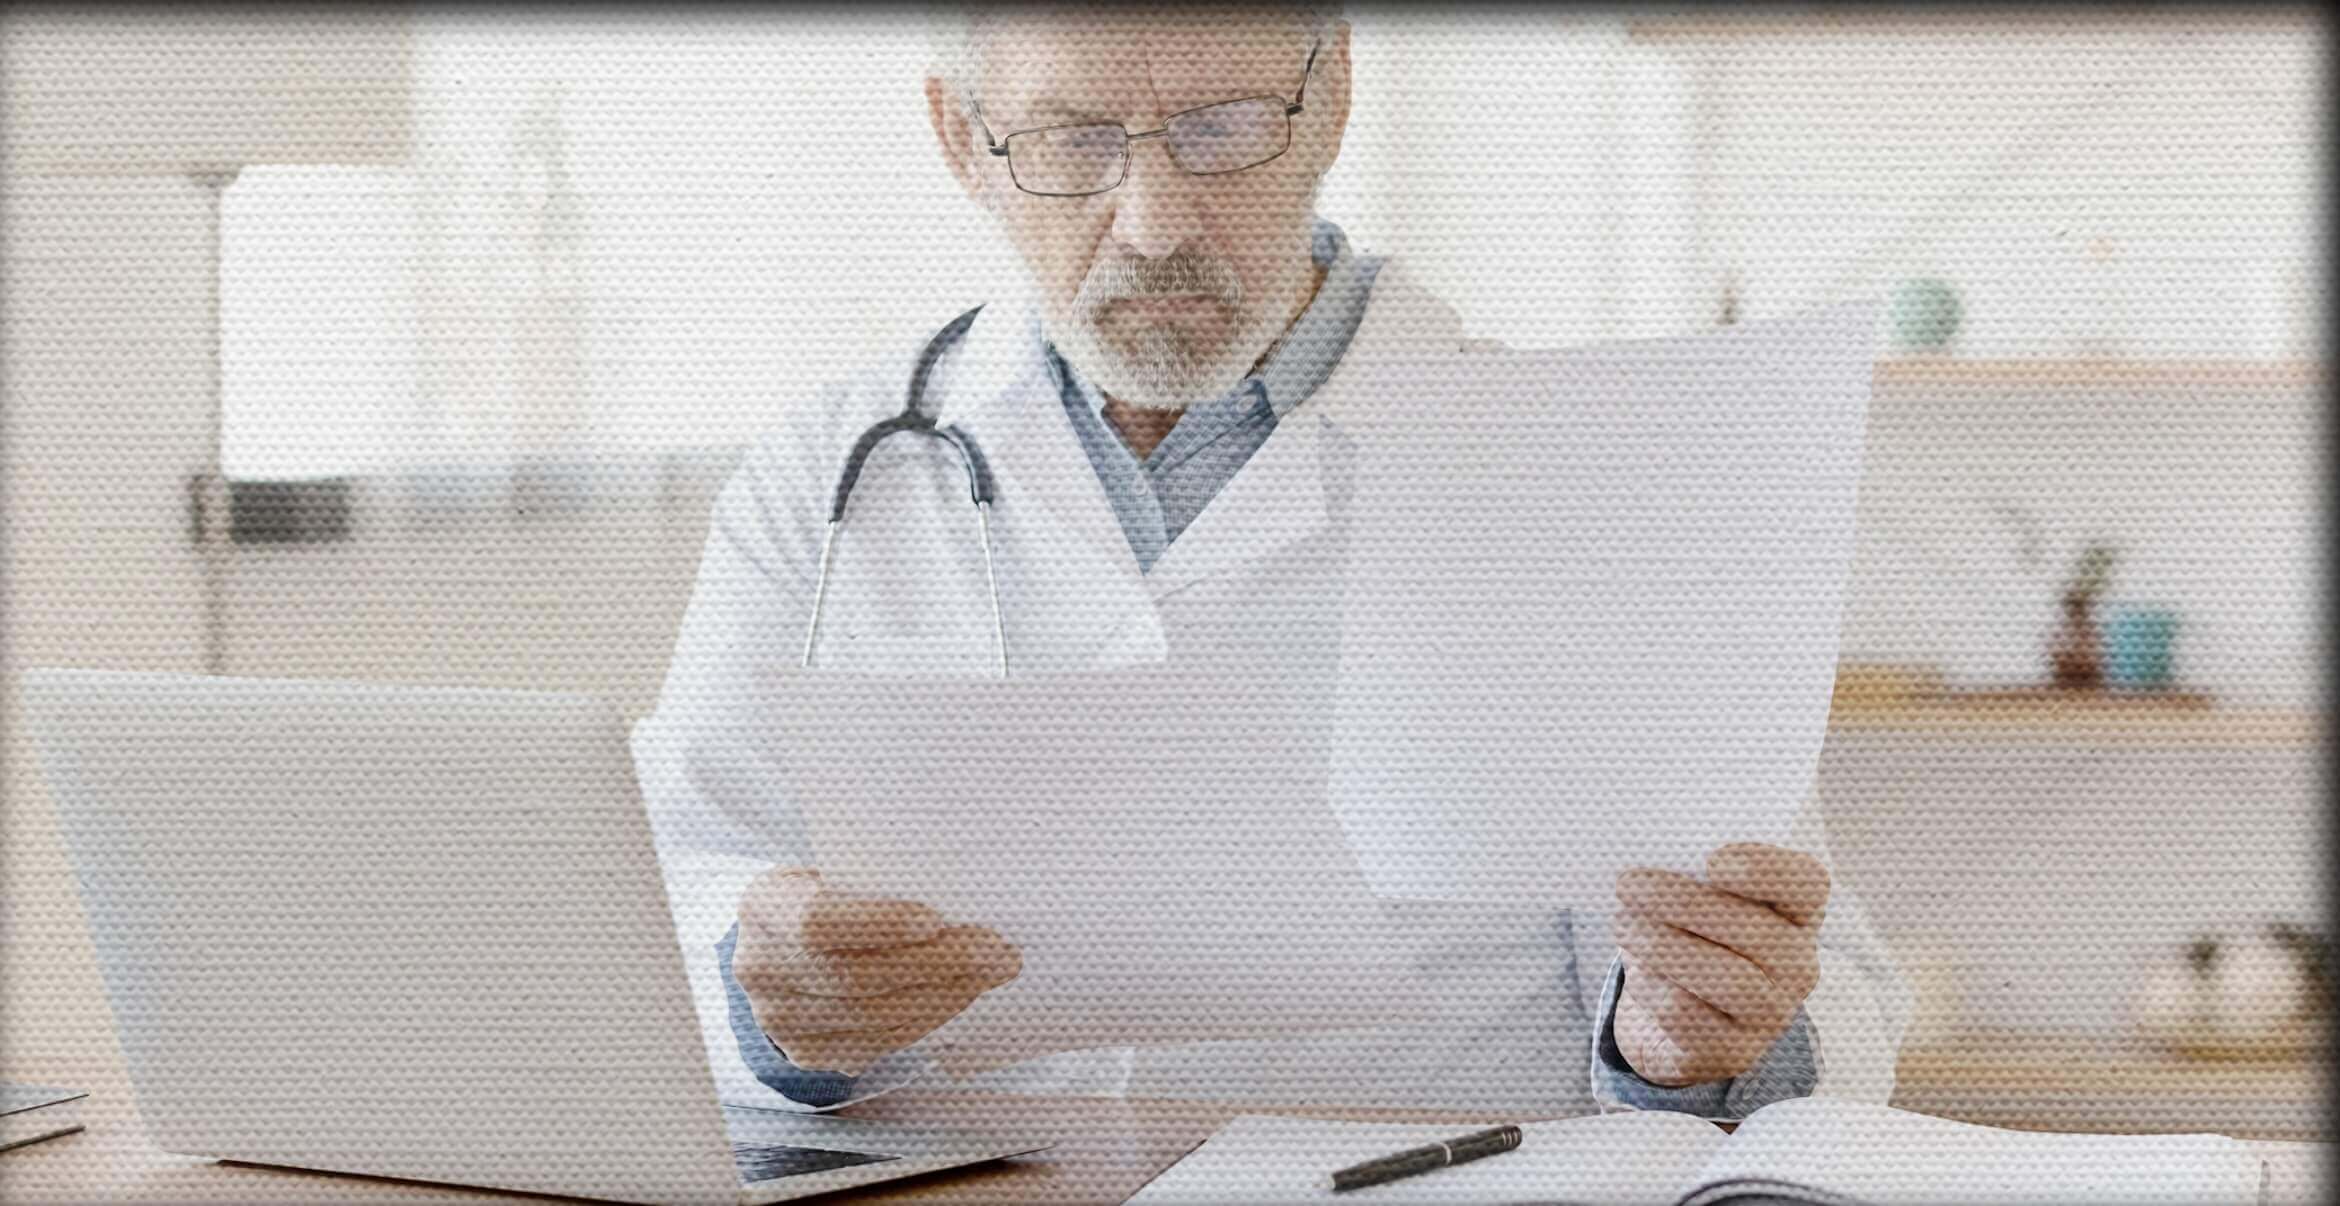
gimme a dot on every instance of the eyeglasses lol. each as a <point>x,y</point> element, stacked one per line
<point>1082,159</point>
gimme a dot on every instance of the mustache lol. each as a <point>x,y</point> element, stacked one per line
<point>1176,273</point>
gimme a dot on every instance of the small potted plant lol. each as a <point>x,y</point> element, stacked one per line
<point>2077,659</point>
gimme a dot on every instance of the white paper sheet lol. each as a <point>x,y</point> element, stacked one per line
<point>1158,845</point>
<point>1853,1151</point>
<point>1804,1149</point>
<point>1600,631</point>
<point>1628,1159</point>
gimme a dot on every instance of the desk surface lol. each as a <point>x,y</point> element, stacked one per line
<point>1109,1149</point>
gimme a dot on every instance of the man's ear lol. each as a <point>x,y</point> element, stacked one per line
<point>1332,75</point>
<point>956,136</point>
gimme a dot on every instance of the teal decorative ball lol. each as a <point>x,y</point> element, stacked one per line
<point>1925,313</point>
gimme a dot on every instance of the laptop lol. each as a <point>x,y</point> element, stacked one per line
<point>411,932</point>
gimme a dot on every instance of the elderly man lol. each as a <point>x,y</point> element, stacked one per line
<point>1189,317</point>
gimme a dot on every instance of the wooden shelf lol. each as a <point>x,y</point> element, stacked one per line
<point>2097,374</point>
<point>1841,19</point>
<point>2159,718</point>
<point>2085,1083</point>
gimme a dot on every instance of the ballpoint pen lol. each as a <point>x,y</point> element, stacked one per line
<point>1427,1157</point>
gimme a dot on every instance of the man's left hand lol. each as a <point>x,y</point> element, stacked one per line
<point>1716,969</point>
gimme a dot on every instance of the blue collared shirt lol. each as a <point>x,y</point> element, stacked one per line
<point>1155,499</point>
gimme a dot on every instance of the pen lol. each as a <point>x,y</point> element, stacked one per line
<point>1422,1159</point>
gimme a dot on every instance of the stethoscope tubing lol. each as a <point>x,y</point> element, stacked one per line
<point>979,487</point>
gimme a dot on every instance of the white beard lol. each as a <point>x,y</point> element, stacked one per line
<point>1163,366</point>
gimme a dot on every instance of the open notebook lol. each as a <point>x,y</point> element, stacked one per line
<point>1808,1150</point>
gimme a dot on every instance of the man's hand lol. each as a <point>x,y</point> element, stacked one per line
<point>839,979</point>
<point>1715,971</point>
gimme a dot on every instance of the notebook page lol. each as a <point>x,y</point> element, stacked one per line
<point>1635,1158</point>
<point>1857,1152</point>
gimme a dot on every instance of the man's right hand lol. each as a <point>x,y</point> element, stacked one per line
<point>839,979</point>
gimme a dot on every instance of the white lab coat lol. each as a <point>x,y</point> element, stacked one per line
<point>1247,581</point>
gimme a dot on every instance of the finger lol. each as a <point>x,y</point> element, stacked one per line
<point>1647,1049</point>
<point>1715,974</point>
<point>1789,961</point>
<point>1693,1024</point>
<point>852,921</point>
<point>853,1052</point>
<point>774,902</point>
<point>1766,938</point>
<point>794,905</point>
<point>803,1017</point>
<point>955,952</point>
<point>1790,881</point>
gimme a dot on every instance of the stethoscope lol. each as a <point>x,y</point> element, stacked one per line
<point>913,418</point>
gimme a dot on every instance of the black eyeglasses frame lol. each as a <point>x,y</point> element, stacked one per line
<point>1292,108</point>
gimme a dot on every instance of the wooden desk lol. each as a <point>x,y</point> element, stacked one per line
<point>1109,1149</point>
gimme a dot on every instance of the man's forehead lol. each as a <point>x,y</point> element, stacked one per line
<point>1090,64</point>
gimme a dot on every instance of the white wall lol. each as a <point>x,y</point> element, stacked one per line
<point>2091,182</point>
<point>104,412</point>
<point>2027,882</point>
<point>130,91</point>
<point>585,601</point>
<point>2211,489</point>
<point>106,331</point>
<point>2096,185</point>
<point>107,413</point>
<point>1533,166</point>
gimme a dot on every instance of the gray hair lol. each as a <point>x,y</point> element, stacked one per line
<point>950,31</point>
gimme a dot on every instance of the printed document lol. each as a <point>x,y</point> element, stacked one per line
<point>1159,848</point>
<point>1601,632</point>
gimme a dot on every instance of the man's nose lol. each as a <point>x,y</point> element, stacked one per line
<point>1158,206</point>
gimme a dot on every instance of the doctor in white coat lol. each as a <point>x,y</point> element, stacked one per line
<point>1161,407</point>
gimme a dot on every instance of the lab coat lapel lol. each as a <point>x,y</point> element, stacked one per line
<point>996,385</point>
<point>1082,597</point>
<point>1275,499</point>
<point>1280,494</point>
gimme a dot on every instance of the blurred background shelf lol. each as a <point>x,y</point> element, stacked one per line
<point>1825,21</point>
<point>2176,721</point>
<point>2034,373</point>
<point>2089,1083</point>
<point>1877,698</point>
<point>2036,857</point>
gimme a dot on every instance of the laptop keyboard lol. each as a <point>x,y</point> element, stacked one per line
<point>772,1161</point>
